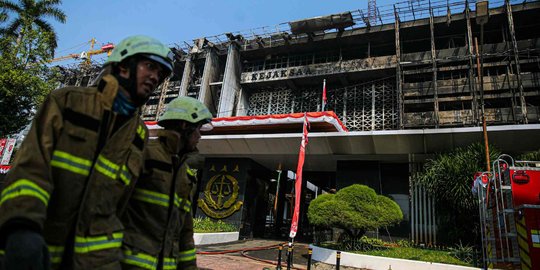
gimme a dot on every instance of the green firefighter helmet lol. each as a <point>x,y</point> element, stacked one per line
<point>187,109</point>
<point>145,46</point>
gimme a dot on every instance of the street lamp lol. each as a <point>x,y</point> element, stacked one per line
<point>482,16</point>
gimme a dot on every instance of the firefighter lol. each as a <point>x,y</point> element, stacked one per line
<point>194,162</point>
<point>158,219</point>
<point>58,205</point>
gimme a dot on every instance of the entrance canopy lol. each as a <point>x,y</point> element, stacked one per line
<point>325,149</point>
<point>270,124</point>
<point>277,123</point>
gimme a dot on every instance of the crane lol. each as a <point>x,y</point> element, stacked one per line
<point>87,55</point>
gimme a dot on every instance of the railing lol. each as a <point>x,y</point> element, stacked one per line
<point>408,10</point>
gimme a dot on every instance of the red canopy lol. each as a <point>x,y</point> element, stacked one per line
<point>4,169</point>
<point>274,123</point>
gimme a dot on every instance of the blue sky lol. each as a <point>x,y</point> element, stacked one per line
<point>177,21</point>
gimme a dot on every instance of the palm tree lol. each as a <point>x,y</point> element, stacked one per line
<point>3,16</point>
<point>29,14</point>
<point>448,179</point>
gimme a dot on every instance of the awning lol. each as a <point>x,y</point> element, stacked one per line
<point>271,124</point>
<point>277,123</point>
<point>4,169</point>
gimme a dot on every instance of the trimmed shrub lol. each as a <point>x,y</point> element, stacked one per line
<point>355,209</point>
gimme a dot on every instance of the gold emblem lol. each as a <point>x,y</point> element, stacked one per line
<point>220,196</point>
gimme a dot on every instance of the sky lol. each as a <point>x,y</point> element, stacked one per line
<point>176,21</point>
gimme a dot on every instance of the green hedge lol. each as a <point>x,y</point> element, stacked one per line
<point>403,249</point>
<point>207,225</point>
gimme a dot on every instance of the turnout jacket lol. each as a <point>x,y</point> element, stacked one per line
<point>158,218</point>
<point>77,162</point>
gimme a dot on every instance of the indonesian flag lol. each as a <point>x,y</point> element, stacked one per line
<point>298,183</point>
<point>2,146</point>
<point>324,94</point>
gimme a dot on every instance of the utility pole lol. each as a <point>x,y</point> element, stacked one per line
<point>482,16</point>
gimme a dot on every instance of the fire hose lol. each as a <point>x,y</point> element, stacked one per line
<point>244,251</point>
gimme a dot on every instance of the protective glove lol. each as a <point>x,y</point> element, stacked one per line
<point>26,249</point>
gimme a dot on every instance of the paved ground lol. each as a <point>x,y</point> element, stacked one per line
<point>256,254</point>
<point>249,254</point>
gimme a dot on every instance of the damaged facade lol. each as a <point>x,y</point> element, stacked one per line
<point>406,87</point>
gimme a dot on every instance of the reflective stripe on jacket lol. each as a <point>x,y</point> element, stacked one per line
<point>158,219</point>
<point>66,185</point>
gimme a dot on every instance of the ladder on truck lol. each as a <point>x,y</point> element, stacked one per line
<point>497,217</point>
<point>509,208</point>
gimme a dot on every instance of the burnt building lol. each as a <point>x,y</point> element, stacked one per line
<point>414,80</point>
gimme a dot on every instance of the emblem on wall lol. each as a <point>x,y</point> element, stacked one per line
<point>220,196</point>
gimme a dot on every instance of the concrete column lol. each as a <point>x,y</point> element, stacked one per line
<point>472,81</point>
<point>210,75</point>
<point>231,82</point>
<point>434,67</point>
<point>516,61</point>
<point>399,81</point>
<point>242,106</point>
<point>186,77</point>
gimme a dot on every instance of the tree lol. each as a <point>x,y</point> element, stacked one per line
<point>448,179</point>
<point>24,78</point>
<point>3,16</point>
<point>355,209</point>
<point>530,156</point>
<point>29,15</point>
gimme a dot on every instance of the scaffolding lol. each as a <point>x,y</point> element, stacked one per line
<point>409,10</point>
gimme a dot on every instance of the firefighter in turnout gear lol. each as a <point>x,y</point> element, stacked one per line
<point>59,203</point>
<point>158,219</point>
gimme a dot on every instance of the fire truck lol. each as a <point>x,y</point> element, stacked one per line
<point>509,206</point>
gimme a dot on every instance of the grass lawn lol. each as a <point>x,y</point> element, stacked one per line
<point>410,253</point>
<point>407,253</point>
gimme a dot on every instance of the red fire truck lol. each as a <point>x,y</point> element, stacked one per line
<point>509,205</point>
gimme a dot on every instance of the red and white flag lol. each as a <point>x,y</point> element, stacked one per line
<point>2,146</point>
<point>8,149</point>
<point>324,95</point>
<point>298,183</point>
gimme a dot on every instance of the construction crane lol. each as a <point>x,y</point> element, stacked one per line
<point>87,55</point>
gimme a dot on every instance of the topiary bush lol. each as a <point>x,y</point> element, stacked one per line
<point>355,209</point>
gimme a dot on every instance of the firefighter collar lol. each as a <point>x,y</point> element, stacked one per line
<point>171,139</point>
<point>108,86</point>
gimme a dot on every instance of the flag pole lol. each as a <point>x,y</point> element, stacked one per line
<point>324,95</point>
<point>298,190</point>
<point>277,193</point>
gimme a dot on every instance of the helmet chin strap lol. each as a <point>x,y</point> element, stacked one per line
<point>130,84</point>
<point>185,134</point>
